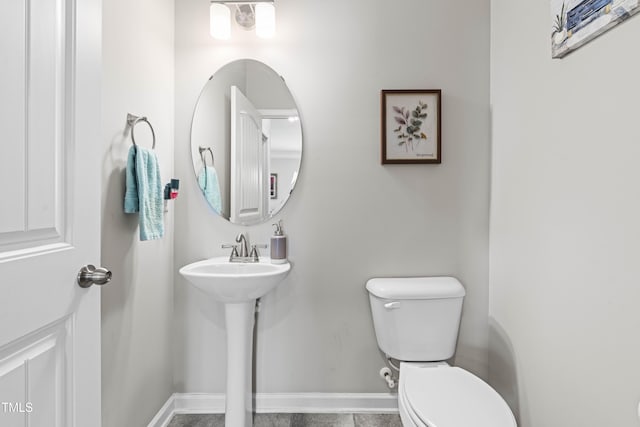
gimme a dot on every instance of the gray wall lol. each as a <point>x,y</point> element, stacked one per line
<point>565,228</point>
<point>137,78</point>
<point>349,218</point>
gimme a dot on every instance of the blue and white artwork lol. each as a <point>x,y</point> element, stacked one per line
<point>576,22</point>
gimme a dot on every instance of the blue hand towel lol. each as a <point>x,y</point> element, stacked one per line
<point>208,182</point>
<point>143,181</point>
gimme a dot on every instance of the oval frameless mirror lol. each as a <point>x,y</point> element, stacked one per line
<point>246,142</point>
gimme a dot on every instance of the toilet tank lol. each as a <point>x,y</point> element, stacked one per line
<point>416,318</point>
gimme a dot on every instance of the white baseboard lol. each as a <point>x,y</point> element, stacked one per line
<point>203,403</point>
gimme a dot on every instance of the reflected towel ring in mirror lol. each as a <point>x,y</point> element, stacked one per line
<point>202,153</point>
<point>132,121</point>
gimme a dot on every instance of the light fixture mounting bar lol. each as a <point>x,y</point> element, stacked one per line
<point>242,2</point>
<point>248,14</point>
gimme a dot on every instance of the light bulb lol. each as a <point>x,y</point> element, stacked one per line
<point>220,21</point>
<point>265,20</point>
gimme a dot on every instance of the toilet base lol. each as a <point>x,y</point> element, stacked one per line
<point>448,397</point>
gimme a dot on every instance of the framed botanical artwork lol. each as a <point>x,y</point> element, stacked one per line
<point>411,126</point>
<point>273,186</point>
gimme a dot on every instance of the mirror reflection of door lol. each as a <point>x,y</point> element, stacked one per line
<point>249,162</point>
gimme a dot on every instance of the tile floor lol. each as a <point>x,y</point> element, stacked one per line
<point>292,420</point>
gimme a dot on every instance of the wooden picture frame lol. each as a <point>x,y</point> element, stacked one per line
<point>411,126</point>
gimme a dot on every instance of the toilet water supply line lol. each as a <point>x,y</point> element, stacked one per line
<point>387,375</point>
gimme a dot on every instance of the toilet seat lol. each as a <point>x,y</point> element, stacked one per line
<point>438,395</point>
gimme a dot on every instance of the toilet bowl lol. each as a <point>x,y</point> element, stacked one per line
<point>416,321</point>
<point>439,395</point>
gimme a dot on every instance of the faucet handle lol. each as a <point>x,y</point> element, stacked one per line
<point>234,249</point>
<point>254,251</point>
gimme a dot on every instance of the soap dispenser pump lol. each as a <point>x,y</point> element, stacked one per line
<point>278,245</point>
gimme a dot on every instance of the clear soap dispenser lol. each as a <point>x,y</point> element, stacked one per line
<point>278,245</point>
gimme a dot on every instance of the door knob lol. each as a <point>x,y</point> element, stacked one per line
<point>90,275</point>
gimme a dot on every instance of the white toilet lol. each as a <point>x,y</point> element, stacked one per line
<point>416,322</point>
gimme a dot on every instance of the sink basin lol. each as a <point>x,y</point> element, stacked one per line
<point>234,282</point>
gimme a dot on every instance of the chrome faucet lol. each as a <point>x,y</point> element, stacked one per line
<point>242,241</point>
<point>243,255</point>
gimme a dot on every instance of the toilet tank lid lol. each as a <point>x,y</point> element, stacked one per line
<point>416,287</point>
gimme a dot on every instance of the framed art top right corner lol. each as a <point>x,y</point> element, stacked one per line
<point>576,22</point>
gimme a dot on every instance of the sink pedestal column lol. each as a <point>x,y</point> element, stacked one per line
<point>240,320</point>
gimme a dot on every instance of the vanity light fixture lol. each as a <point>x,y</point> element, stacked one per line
<point>258,14</point>
<point>219,21</point>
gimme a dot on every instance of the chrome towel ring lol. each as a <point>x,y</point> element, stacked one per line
<point>132,121</point>
<point>202,153</point>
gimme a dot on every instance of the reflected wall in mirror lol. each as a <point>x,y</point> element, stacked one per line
<point>246,142</point>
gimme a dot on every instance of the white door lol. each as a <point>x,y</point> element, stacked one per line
<point>249,162</point>
<point>49,212</point>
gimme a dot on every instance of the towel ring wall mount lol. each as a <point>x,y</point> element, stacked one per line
<point>132,121</point>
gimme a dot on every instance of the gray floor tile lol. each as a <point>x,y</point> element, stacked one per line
<point>322,420</point>
<point>197,420</point>
<point>377,420</point>
<point>272,420</point>
<point>292,420</point>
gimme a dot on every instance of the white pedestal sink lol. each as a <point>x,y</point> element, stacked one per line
<point>237,285</point>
